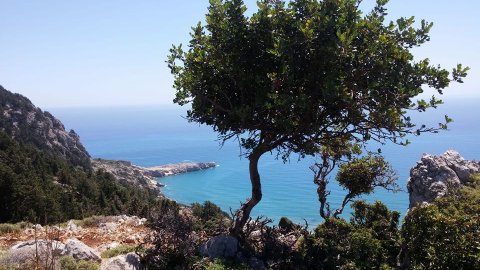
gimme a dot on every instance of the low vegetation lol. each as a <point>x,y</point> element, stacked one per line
<point>442,235</point>
<point>445,234</point>
<point>110,253</point>
<point>13,228</point>
<point>220,265</point>
<point>69,263</point>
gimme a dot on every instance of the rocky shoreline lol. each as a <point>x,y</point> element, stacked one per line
<point>146,176</point>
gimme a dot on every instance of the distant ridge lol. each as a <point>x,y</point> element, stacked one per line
<point>27,124</point>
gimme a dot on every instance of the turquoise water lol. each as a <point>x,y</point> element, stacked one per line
<point>157,135</point>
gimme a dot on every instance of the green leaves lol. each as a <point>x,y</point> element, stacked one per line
<point>444,234</point>
<point>304,70</point>
<point>459,73</point>
<point>362,175</point>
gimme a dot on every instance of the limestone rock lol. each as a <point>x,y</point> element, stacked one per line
<point>72,227</point>
<point>436,176</point>
<point>107,246</point>
<point>80,251</point>
<point>222,246</point>
<point>24,253</point>
<point>129,261</point>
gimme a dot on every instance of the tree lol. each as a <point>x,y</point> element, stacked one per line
<point>296,77</point>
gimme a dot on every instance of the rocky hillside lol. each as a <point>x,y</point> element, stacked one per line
<point>28,124</point>
<point>108,242</point>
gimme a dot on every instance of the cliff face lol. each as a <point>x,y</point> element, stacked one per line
<point>436,176</point>
<point>25,123</point>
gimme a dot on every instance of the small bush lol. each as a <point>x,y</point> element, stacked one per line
<point>371,240</point>
<point>174,242</point>
<point>446,233</point>
<point>69,263</point>
<point>8,228</point>
<point>13,228</point>
<point>95,221</point>
<point>118,251</point>
<point>206,264</point>
<point>210,218</point>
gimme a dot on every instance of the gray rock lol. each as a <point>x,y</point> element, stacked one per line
<point>222,246</point>
<point>72,227</point>
<point>24,253</point>
<point>107,246</point>
<point>436,176</point>
<point>122,262</point>
<point>78,250</point>
<point>108,227</point>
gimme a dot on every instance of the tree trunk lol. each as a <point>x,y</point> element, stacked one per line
<point>243,213</point>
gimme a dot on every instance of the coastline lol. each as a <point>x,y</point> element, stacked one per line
<point>147,177</point>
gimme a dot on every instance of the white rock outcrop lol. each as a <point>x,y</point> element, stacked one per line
<point>436,176</point>
<point>25,253</point>
<point>79,251</point>
<point>129,261</point>
<point>222,246</point>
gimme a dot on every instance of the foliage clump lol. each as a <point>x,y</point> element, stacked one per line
<point>371,240</point>
<point>124,249</point>
<point>446,233</point>
<point>69,263</point>
<point>209,218</point>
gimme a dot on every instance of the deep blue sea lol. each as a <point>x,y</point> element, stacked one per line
<point>155,135</point>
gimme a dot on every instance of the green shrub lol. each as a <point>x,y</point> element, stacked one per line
<point>217,264</point>
<point>118,251</point>
<point>95,221</point>
<point>69,263</point>
<point>13,228</point>
<point>371,240</point>
<point>8,228</point>
<point>446,233</point>
<point>210,218</point>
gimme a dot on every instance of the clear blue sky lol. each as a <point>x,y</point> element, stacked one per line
<point>111,53</point>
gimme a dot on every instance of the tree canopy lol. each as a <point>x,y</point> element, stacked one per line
<point>302,76</point>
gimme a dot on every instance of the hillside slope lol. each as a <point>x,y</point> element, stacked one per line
<point>27,124</point>
<point>46,175</point>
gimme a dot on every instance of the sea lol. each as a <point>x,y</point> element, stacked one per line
<point>160,134</point>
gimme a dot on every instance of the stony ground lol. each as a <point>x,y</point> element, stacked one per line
<point>95,235</point>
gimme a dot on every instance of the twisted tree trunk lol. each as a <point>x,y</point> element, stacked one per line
<point>243,214</point>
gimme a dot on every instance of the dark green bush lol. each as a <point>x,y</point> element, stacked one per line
<point>370,240</point>
<point>210,218</point>
<point>446,233</point>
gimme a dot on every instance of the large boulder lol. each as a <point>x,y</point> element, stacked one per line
<point>129,261</point>
<point>79,251</point>
<point>222,246</point>
<point>24,254</point>
<point>436,176</point>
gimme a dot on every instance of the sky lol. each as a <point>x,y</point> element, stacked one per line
<point>112,52</point>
